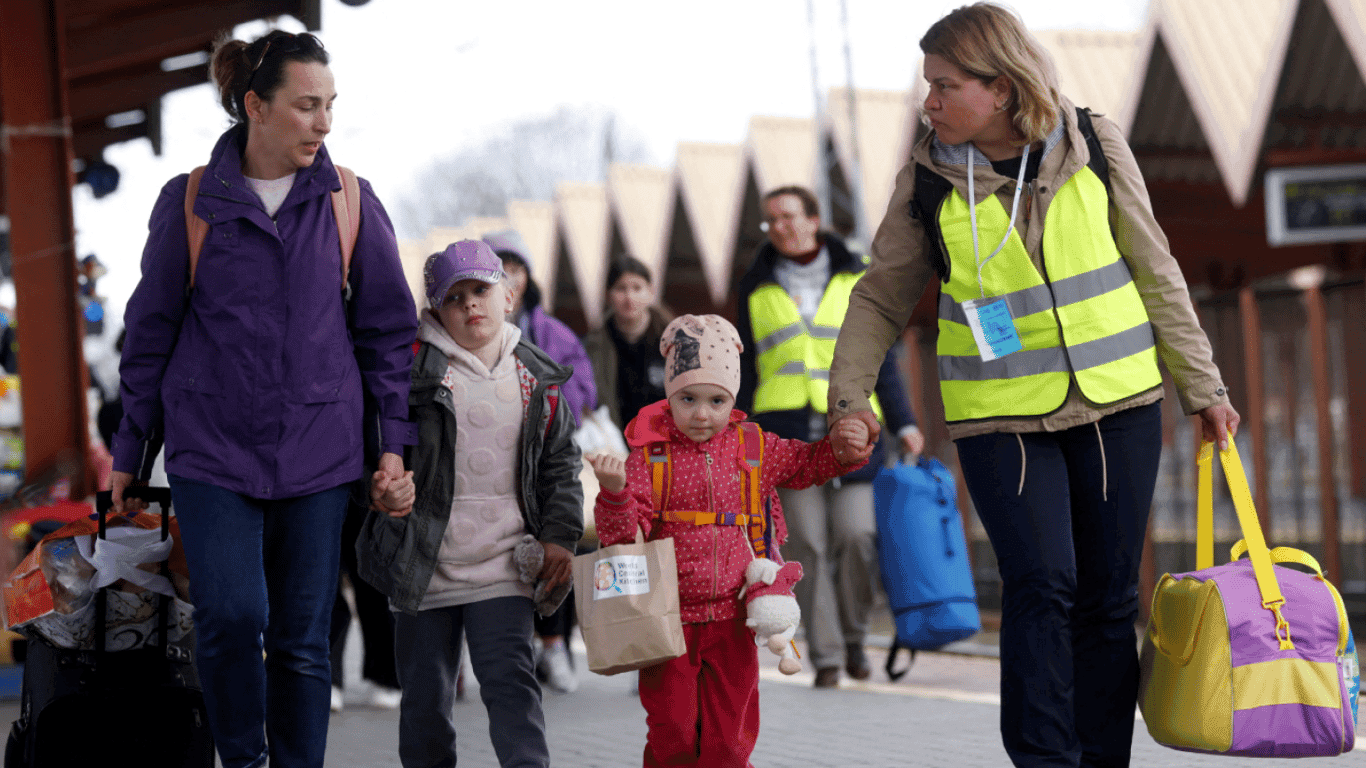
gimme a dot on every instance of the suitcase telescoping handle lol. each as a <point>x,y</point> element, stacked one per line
<point>104,500</point>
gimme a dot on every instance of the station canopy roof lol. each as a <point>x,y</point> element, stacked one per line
<point>122,56</point>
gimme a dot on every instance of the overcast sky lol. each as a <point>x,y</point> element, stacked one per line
<point>418,79</point>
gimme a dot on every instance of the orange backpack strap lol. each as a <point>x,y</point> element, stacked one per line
<point>657,454</point>
<point>196,229</point>
<point>752,453</point>
<point>346,207</point>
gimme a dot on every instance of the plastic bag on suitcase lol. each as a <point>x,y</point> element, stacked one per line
<point>51,593</point>
<point>138,707</point>
<point>923,556</point>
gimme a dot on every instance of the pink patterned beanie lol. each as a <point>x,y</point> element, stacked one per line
<point>701,349</point>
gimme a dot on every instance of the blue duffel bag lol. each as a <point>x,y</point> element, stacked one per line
<point>924,558</point>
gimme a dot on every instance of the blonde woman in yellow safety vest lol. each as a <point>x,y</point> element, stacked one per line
<point>1057,297</point>
<point>792,302</point>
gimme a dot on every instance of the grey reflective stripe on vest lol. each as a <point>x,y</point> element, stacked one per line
<point>792,368</point>
<point>786,333</point>
<point>1113,347</point>
<point>819,375</point>
<point>822,332</point>
<point>1069,290</point>
<point>1030,362</point>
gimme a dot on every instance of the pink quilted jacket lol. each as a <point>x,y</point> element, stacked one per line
<point>707,477</point>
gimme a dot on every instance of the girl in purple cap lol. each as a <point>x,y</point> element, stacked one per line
<point>498,512</point>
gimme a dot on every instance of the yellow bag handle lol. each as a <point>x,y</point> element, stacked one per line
<point>1300,557</point>
<point>1272,599</point>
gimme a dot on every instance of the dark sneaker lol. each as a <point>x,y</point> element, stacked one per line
<point>828,677</point>
<point>856,662</point>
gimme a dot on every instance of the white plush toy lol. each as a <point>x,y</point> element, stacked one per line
<point>773,618</point>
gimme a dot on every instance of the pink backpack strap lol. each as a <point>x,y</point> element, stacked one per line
<point>346,207</point>
<point>196,229</point>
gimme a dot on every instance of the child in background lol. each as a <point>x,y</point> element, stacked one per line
<point>496,476</point>
<point>703,708</point>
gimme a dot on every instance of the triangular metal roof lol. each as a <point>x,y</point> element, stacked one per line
<point>782,151</point>
<point>534,220</point>
<point>642,197</point>
<point>585,224</point>
<point>885,126</point>
<point>1096,68</point>
<point>711,181</point>
<point>1228,54</point>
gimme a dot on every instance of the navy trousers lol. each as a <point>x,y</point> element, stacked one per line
<point>1066,513</point>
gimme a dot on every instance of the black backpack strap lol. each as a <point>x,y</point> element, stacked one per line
<point>894,674</point>
<point>930,191</point>
<point>1098,164</point>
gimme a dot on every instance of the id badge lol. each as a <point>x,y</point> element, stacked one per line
<point>992,327</point>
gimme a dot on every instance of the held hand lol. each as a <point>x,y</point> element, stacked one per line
<point>913,443</point>
<point>118,483</point>
<point>1219,423</point>
<point>391,464</point>
<point>386,493</point>
<point>610,471</point>
<point>558,567</point>
<point>852,451</point>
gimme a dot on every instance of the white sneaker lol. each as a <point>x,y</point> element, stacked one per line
<point>338,700</point>
<point>558,674</point>
<point>383,697</point>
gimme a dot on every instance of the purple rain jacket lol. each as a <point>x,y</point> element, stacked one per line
<point>559,342</point>
<point>254,380</point>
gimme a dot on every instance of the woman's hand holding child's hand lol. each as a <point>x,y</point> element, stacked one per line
<point>610,470</point>
<point>849,438</point>
<point>392,497</point>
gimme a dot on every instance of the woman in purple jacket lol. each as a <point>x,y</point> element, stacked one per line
<point>255,377</point>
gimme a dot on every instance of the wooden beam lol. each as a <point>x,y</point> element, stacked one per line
<point>178,29</point>
<point>101,96</point>
<point>1277,158</point>
<point>1353,315</point>
<point>1328,498</point>
<point>91,138</point>
<point>37,176</point>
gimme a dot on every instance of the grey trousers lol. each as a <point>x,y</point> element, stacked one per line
<point>832,532</point>
<point>427,652</point>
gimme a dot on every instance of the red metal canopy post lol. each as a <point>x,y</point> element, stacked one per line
<point>36,142</point>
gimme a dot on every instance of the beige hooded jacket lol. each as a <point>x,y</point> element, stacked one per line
<point>883,299</point>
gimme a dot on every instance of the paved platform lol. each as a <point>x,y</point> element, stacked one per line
<point>942,714</point>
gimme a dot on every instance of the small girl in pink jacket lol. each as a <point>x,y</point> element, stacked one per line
<point>703,707</point>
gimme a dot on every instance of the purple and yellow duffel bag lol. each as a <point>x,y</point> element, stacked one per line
<point>1250,658</point>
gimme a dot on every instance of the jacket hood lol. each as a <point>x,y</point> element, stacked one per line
<point>655,424</point>
<point>432,332</point>
<point>766,257</point>
<point>950,160</point>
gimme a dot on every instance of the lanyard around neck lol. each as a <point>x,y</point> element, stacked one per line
<point>972,214</point>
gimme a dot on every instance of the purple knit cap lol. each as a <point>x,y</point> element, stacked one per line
<point>463,260</point>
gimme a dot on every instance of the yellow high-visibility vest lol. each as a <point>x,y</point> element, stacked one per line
<point>1086,320</point>
<point>793,360</point>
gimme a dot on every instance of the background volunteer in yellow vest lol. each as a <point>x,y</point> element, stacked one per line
<point>792,302</point>
<point>1059,442</point>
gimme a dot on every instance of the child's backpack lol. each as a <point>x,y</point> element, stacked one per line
<point>757,512</point>
<point>924,559</point>
<point>345,206</point>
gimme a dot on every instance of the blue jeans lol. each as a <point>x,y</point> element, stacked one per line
<point>263,575</point>
<point>1066,513</point>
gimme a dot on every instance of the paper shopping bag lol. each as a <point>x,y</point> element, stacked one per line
<point>627,599</point>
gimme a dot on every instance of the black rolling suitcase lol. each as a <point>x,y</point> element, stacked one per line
<point>139,707</point>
